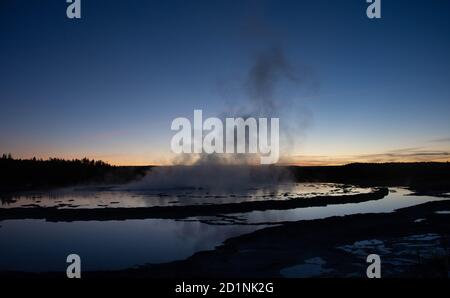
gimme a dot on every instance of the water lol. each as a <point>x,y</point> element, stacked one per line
<point>94,197</point>
<point>38,245</point>
<point>397,198</point>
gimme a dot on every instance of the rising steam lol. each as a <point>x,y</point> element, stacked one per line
<point>269,71</point>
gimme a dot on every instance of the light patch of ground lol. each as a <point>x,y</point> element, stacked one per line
<point>310,268</point>
<point>399,254</point>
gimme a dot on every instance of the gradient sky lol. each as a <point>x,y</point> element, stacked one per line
<point>108,86</point>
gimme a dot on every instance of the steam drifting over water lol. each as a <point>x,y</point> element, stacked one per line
<point>226,172</point>
<point>212,176</point>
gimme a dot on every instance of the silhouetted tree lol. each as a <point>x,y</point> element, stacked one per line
<point>18,174</point>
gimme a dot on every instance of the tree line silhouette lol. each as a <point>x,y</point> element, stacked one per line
<point>426,177</point>
<point>23,174</point>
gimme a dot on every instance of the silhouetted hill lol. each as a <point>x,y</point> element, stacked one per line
<point>422,177</point>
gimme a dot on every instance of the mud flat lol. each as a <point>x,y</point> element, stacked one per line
<point>176,212</point>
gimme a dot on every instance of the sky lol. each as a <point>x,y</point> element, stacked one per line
<point>107,86</point>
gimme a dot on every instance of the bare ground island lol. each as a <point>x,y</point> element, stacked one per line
<point>177,212</point>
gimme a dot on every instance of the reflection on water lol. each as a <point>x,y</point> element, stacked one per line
<point>37,245</point>
<point>397,198</point>
<point>119,197</point>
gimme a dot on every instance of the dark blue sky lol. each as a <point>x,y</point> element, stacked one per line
<point>109,85</point>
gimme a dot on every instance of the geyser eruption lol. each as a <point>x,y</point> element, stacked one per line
<point>269,68</point>
<point>226,172</point>
<point>217,177</point>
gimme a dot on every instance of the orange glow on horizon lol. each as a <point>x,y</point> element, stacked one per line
<point>161,159</point>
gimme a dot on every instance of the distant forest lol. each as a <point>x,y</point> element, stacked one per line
<point>423,177</point>
<point>24,174</point>
<point>27,174</point>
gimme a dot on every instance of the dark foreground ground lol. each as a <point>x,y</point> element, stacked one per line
<point>412,242</point>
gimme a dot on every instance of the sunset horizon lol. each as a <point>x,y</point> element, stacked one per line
<point>218,147</point>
